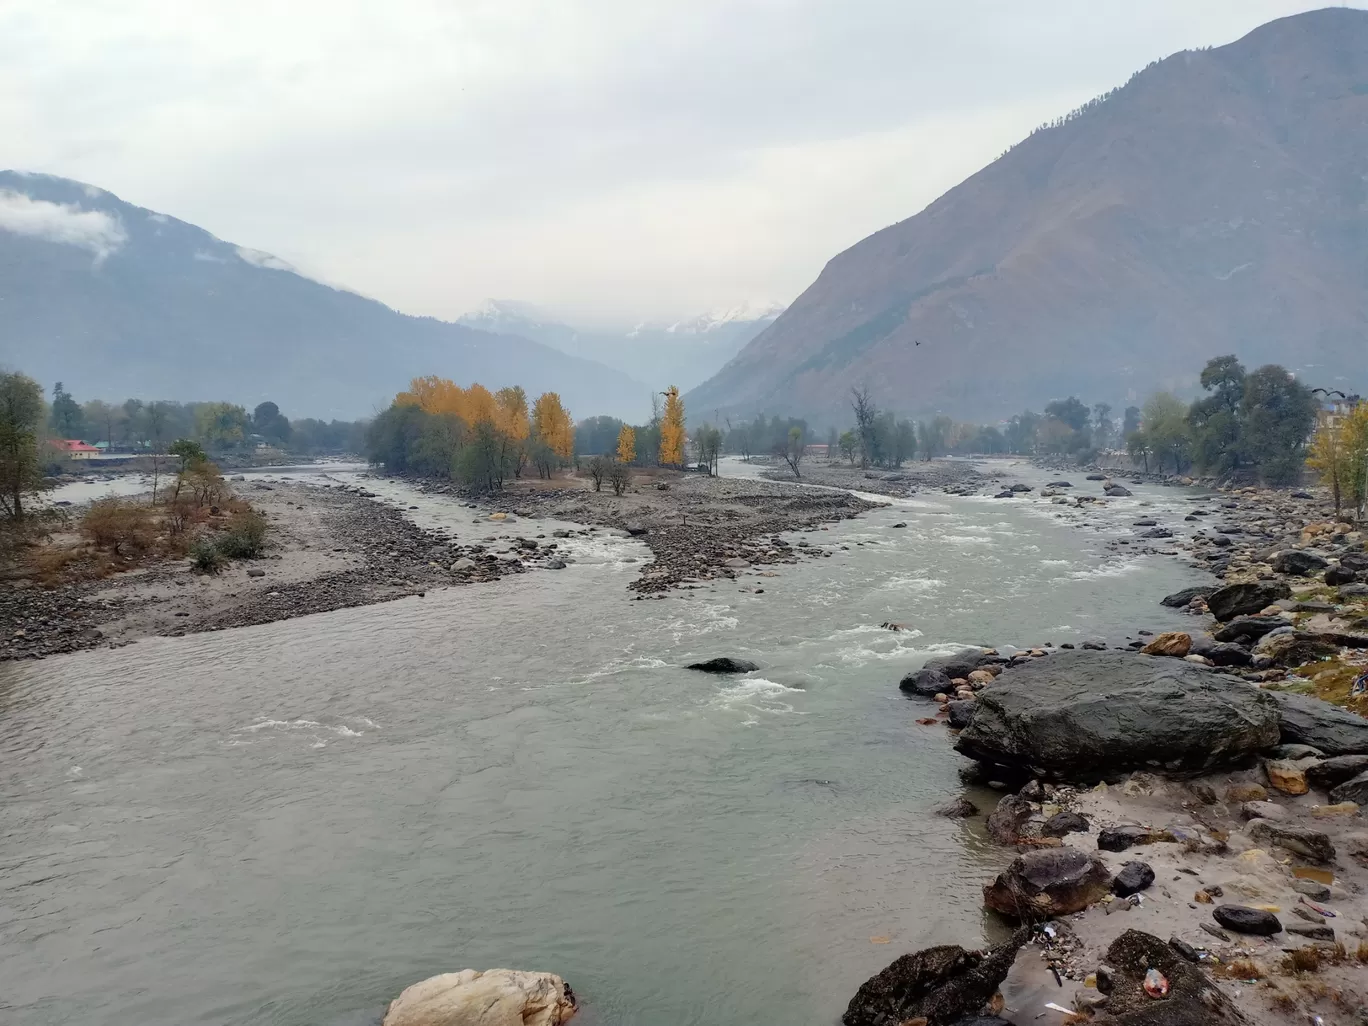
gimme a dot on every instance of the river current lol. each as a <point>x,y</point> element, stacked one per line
<point>287,824</point>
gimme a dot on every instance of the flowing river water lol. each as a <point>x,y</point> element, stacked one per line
<point>287,824</point>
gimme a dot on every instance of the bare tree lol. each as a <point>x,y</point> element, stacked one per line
<point>708,439</point>
<point>866,413</point>
<point>598,470</point>
<point>793,450</point>
<point>619,476</point>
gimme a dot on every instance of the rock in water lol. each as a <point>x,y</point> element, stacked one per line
<point>499,997</point>
<point>927,683</point>
<point>1246,599</point>
<point>1005,821</point>
<point>1133,878</point>
<point>962,663</point>
<point>1304,720</point>
<point>1192,1000</point>
<point>1180,599</point>
<point>961,714</point>
<point>939,985</point>
<point>1048,882</point>
<point>1170,643</point>
<point>724,664</point>
<point>1084,715</point>
<point>1243,919</point>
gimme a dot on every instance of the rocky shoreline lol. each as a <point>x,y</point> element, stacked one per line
<point>698,528</point>
<point>329,547</point>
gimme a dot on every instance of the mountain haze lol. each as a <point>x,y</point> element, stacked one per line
<point>682,353</point>
<point>1216,203</point>
<point>114,300</point>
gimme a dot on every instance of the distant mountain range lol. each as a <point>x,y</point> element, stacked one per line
<point>114,301</point>
<point>683,353</point>
<point>1216,203</point>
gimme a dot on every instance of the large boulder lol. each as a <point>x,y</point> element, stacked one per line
<point>724,664</point>
<point>1180,599</point>
<point>1330,773</point>
<point>963,662</point>
<point>1246,599</point>
<point>1298,563</point>
<point>927,683</point>
<point>1170,643</point>
<point>1295,648</point>
<point>1251,627</point>
<point>1088,715</point>
<point>1192,1000</point>
<point>1311,844</point>
<point>1304,720</point>
<point>1048,882</point>
<point>939,986</point>
<point>1355,790</point>
<point>1006,821</point>
<point>499,997</point>
<point>1356,561</point>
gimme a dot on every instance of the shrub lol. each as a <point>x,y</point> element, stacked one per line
<point>620,476</point>
<point>205,556</point>
<point>124,527</point>
<point>245,537</point>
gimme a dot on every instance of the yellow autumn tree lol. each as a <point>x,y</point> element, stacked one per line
<point>672,435</point>
<point>513,426</point>
<point>1354,440</point>
<point>553,435</point>
<point>1330,461</point>
<point>626,447</point>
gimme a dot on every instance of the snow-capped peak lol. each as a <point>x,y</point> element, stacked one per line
<point>711,321</point>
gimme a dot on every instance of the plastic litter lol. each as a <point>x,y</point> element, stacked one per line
<point>1319,909</point>
<point>1360,685</point>
<point>1156,984</point>
<point>1059,1008</point>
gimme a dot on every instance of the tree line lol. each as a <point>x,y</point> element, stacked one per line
<point>137,425</point>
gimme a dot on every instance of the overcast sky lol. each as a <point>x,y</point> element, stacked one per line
<point>610,159</point>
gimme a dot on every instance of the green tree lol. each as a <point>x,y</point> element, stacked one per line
<point>221,425</point>
<point>1279,413</point>
<point>1167,430</point>
<point>270,423</point>
<point>190,453</point>
<point>1130,421</point>
<point>1102,425</point>
<point>21,468</point>
<point>1071,411</point>
<point>849,444</point>
<point>67,421</point>
<point>1217,420</point>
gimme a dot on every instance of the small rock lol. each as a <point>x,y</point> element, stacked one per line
<point>1133,878</point>
<point>1312,889</point>
<point>1311,844</point>
<point>1286,776</point>
<point>1311,931</point>
<point>1171,643</point>
<point>724,664</point>
<point>1066,822</point>
<point>1263,810</point>
<point>959,808</point>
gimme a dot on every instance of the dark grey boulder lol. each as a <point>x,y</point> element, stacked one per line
<point>1330,773</point>
<point>1299,563</point>
<point>962,663</point>
<point>1356,561</point>
<point>1179,599</point>
<point>1311,844</point>
<point>1349,591</point>
<point>1337,575</point>
<point>1117,491</point>
<point>1085,715</point>
<point>1251,627</point>
<point>956,808</point>
<point>1246,599</point>
<point>636,530</point>
<point>1293,648</point>
<point>1066,822</point>
<point>1243,919</point>
<point>1355,790</point>
<point>1146,522</point>
<point>1133,878</point>
<point>1157,532</point>
<point>1305,720</point>
<point>1005,821</point>
<point>1048,882</point>
<point>1096,477</point>
<point>927,683</point>
<point>1059,484</point>
<point>724,664</point>
<point>941,985</point>
<point>961,713</point>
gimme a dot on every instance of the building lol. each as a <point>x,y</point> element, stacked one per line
<point>75,449</point>
<point>1334,408</point>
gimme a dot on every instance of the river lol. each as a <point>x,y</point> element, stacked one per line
<point>287,824</point>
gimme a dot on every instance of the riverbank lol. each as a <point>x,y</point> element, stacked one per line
<point>698,528</point>
<point>950,476</point>
<point>328,547</point>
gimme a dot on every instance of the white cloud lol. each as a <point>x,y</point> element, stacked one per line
<point>257,258</point>
<point>94,230</point>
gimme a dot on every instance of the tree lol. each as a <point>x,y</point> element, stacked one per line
<point>933,436</point>
<point>192,456</point>
<point>1102,425</point>
<point>514,428</point>
<point>1278,413</point>
<point>626,445</point>
<point>708,439</point>
<point>849,444</point>
<point>221,425</point>
<point>672,430</point>
<point>619,476</point>
<point>865,415</point>
<point>793,449</point>
<point>553,436</point>
<point>1070,411</point>
<point>21,466</point>
<point>833,443</point>
<point>270,423</point>
<point>1327,457</point>
<point>597,436</point>
<point>1167,430</point>
<point>67,420</point>
<point>100,418</point>
<point>1217,421</point>
<point>1354,438</point>
<point>1130,421</point>
<point>1138,447</point>
<point>133,419</point>
<point>598,470</point>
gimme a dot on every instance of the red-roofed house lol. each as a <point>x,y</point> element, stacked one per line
<point>75,449</point>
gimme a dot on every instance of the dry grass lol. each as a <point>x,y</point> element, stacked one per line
<point>1240,969</point>
<point>1330,681</point>
<point>1362,953</point>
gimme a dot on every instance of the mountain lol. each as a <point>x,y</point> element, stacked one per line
<point>115,301</point>
<point>1216,203</point>
<point>682,353</point>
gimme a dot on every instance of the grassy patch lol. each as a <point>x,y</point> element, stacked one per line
<point>1330,681</point>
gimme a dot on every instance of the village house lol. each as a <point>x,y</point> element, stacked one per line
<point>75,449</point>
